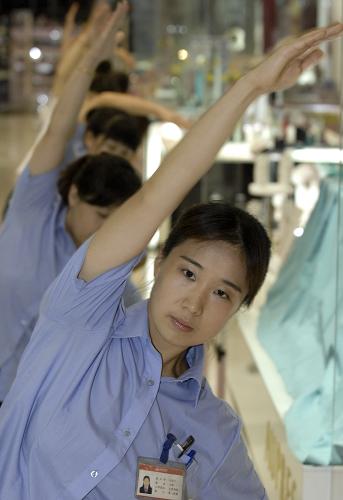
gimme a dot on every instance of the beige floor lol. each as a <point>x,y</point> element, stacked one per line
<point>17,133</point>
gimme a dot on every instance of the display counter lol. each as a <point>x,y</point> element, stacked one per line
<point>164,136</point>
<point>255,374</point>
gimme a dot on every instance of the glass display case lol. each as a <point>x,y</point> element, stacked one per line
<point>295,331</point>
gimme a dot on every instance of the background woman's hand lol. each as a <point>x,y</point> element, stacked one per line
<point>283,66</point>
<point>103,29</point>
<point>175,117</point>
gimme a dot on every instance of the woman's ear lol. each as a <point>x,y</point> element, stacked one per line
<point>92,142</point>
<point>73,196</point>
<point>157,264</point>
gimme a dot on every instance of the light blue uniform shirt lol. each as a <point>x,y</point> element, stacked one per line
<point>76,146</point>
<point>34,248</point>
<point>89,399</point>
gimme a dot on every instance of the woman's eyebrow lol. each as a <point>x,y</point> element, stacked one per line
<point>188,259</point>
<point>197,264</point>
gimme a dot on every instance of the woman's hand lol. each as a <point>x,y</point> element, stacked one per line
<point>168,115</point>
<point>49,151</point>
<point>282,68</point>
<point>100,33</point>
<point>71,15</point>
<point>69,27</point>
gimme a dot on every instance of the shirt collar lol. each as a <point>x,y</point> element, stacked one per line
<point>196,360</point>
<point>136,325</point>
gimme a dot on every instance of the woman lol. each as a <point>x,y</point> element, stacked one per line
<point>53,211</point>
<point>112,131</point>
<point>107,386</point>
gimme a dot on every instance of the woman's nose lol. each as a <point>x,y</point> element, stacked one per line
<point>194,303</point>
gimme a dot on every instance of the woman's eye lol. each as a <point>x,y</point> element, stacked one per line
<point>222,294</point>
<point>188,274</point>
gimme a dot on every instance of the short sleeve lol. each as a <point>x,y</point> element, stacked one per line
<point>131,294</point>
<point>236,477</point>
<point>34,192</point>
<point>94,305</point>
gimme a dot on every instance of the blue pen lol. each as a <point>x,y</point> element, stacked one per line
<point>166,447</point>
<point>191,455</point>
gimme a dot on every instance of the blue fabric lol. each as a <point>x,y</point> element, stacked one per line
<point>89,399</point>
<point>298,327</point>
<point>34,248</point>
<point>75,147</point>
<point>314,423</point>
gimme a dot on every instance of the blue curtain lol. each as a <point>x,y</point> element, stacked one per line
<point>297,328</point>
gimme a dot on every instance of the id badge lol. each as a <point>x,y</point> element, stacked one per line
<point>160,481</point>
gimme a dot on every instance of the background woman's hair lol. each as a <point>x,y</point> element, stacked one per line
<point>101,180</point>
<point>106,79</point>
<point>224,222</point>
<point>98,118</point>
<point>116,124</point>
<point>124,129</point>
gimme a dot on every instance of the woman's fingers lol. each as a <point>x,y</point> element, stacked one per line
<point>107,22</point>
<point>72,11</point>
<point>311,58</point>
<point>120,37</point>
<point>314,38</point>
<point>283,66</point>
<point>113,22</point>
<point>102,33</point>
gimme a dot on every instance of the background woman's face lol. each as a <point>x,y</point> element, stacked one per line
<point>198,287</point>
<point>83,219</point>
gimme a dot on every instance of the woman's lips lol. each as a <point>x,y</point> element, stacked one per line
<point>181,325</point>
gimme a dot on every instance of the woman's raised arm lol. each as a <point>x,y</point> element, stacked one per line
<point>128,230</point>
<point>49,151</point>
<point>134,105</point>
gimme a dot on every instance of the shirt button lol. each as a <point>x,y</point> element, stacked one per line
<point>151,382</point>
<point>127,433</point>
<point>94,473</point>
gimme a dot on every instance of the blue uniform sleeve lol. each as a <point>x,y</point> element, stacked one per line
<point>235,478</point>
<point>94,305</point>
<point>131,294</point>
<point>34,192</point>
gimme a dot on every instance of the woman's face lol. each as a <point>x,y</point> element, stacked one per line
<point>83,219</point>
<point>198,287</point>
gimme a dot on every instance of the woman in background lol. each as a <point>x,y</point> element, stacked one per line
<point>53,210</point>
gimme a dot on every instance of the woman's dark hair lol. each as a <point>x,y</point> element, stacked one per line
<point>123,128</point>
<point>118,125</point>
<point>101,180</point>
<point>106,79</point>
<point>98,118</point>
<point>224,222</point>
